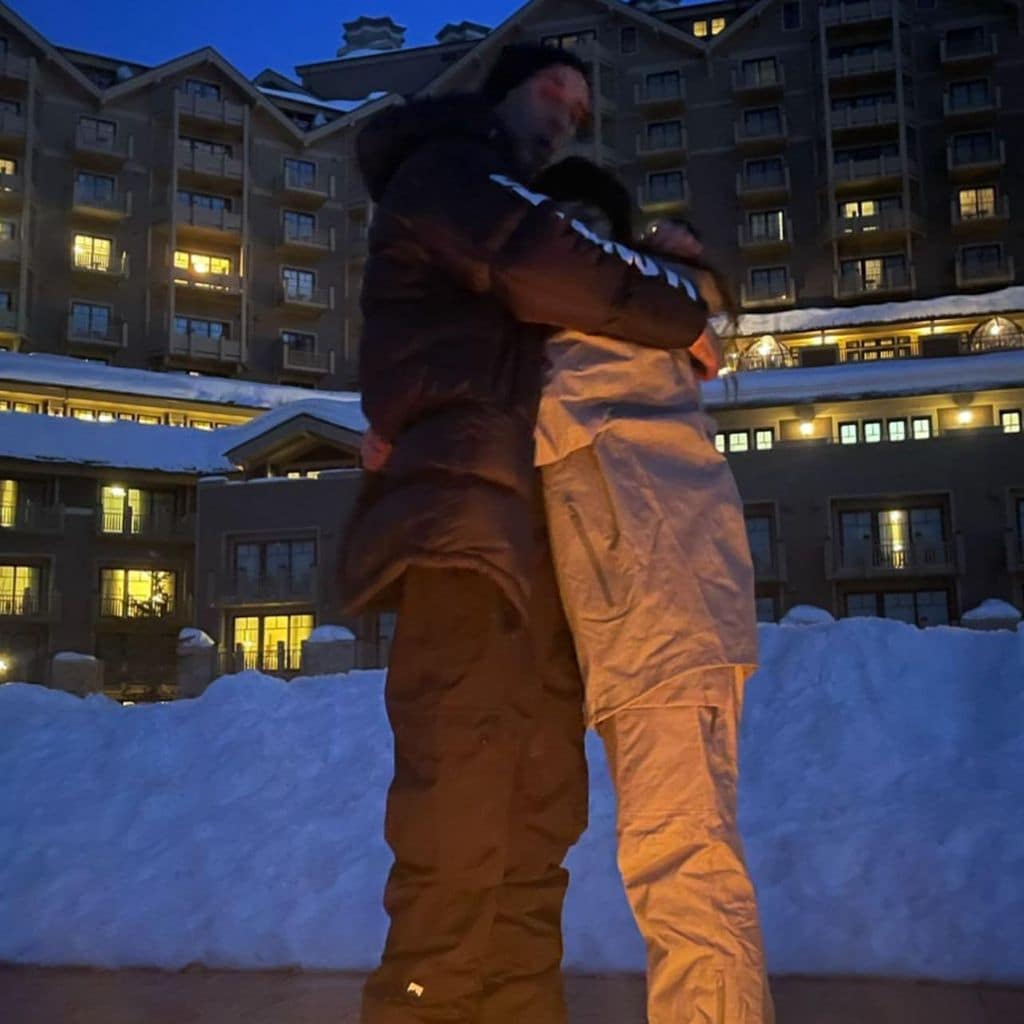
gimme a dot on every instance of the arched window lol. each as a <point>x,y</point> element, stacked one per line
<point>995,334</point>
<point>767,353</point>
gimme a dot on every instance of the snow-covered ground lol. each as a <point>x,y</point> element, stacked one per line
<point>882,805</point>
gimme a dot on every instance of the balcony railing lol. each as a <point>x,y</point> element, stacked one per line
<point>202,347</point>
<point>891,281</point>
<point>763,186</point>
<point>860,64</point>
<point>975,159</point>
<point>12,125</point>
<point>31,517</point>
<point>874,170</point>
<point>116,267</point>
<point>873,226</point>
<point>299,185</point>
<point>956,54</point>
<point>207,108</point>
<point>303,361</point>
<point>220,284</point>
<point>659,94</point>
<point>311,299</point>
<point>663,197</point>
<point>660,145</point>
<point>240,588</point>
<point>746,81</point>
<point>981,273</point>
<point>998,214</point>
<point>212,220</point>
<point>768,134</point>
<point>145,526</point>
<point>758,296</point>
<point>114,206</point>
<point>309,239</point>
<point>163,608</point>
<point>278,658</point>
<point>210,165</point>
<point>112,334</point>
<point>779,237</point>
<point>29,603</point>
<point>13,68</point>
<point>91,142</point>
<point>856,12</point>
<point>892,559</point>
<point>874,116</point>
<point>984,105</point>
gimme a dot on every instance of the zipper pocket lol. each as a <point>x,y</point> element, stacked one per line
<point>595,564</point>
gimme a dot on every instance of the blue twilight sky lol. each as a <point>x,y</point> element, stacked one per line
<point>252,35</point>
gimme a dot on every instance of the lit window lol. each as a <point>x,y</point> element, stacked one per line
<point>720,442</point>
<point>848,433</point>
<point>136,593</point>
<point>20,588</point>
<point>1010,421</point>
<point>202,425</point>
<point>83,414</point>
<point>739,441</point>
<point>873,431</point>
<point>922,427</point>
<point>8,166</point>
<point>150,421</point>
<point>271,642</point>
<point>200,263</point>
<point>764,440</point>
<point>700,29</point>
<point>92,253</point>
<point>717,25</point>
<point>8,502</point>
<point>977,202</point>
<point>897,430</point>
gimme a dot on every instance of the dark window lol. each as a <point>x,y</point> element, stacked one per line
<point>9,106</point>
<point>97,130</point>
<point>664,134</point>
<point>90,320</point>
<point>974,147</point>
<point>962,41</point>
<point>767,173</point>
<point>628,40</point>
<point>299,341</point>
<point>766,609</point>
<point>665,185</point>
<point>570,40</point>
<point>663,85</point>
<point>204,90</point>
<point>299,225</point>
<point>299,284</point>
<point>204,328</point>
<point>761,537</point>
<point>95,187</point>
<point>6,301</point>
<point>300,173</point>
<point>767,225</point>
<point>765,121</point>
<point>760,71</point>
<point>873,273</point>
<point>769,282</point>
<point>204,200</point>
<point>968,95</point>
<point>205,146</point>
<point>790,16</point>
<point>288,559</point>
<point>979,260</point>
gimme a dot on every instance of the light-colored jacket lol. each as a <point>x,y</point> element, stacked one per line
<point>646,522</point>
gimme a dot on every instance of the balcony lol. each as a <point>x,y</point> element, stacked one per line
<point>752,81</point>
<point>984,273</point>
<point>209,110</point>
<point>651,96</point>
<point>891,281</point>
<point>970,161</point>
<point>861,65</point>
<point>864,561</point>
<point>661,145</point>
<point>306,363</point>
<point>152,526</point>
<point>227,351</point>
<point>851,175</point>
<point>13,68</point>
<point>202,222</point>
<point>212,285</point>
<point>770,135</point>
<point>760,297</point>
<point>12,189</point>
<point>758,188</point>
<point>874,228</point>
<point>301,187</point>
<point>673,198</point>
<point>761,241</point>
<point>30,604</point>
<point>31,517</point>
<point>997,216</point>
<point>955,56</point>
<point>98,147</point>
<point>99,269</point>
<point>143,613</point>
<point>305,300</point>
<point>113,207</point>
<point>980,107</point>
<point>857,13</point>
<point>111,335</point>
<point>862,120</point>
<point>10,250</point>
<point>209,166</point>
<point>285,588</point>
<point>12,128</point>
<point>305,241</point>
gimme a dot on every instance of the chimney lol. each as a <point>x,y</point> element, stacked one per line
<point>462,32</point>
<point>366,33</point>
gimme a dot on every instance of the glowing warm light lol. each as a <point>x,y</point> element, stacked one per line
<point>806,428</point>
<point>964,416</point>
<point>766,345</point>
<point>118,492</point>
<point>995,328</point>
<point>4,665</point>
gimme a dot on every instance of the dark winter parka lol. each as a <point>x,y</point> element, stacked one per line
<point>467,273</point>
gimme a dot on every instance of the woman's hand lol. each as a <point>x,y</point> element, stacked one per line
<point>374,451</point>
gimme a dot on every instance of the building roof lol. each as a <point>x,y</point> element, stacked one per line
<point>337,106</point>
<point>63,371</point>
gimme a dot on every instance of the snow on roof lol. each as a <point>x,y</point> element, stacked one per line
<point>867,380</point>
<point>330,635</point>
<point>794,321</point>
<point>345,413</point>
<point>343,106</point>
<point>64,371</point>
<point>119,445</point>
<point>356,54</point>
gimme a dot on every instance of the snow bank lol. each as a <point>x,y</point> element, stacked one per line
<point>992,610</point>
<point>191,637</point>
<point>882,807</point>
<point>330,635</point>
<point>807,615</point>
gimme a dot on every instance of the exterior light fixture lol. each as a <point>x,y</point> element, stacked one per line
<point>995,328</point>
<point>117,491</point>
<point>4,665</point>
<point>806,428</point>
<point>964,416</point>
<point>766,345</point>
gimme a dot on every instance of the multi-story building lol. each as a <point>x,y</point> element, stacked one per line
<point>852,166</point>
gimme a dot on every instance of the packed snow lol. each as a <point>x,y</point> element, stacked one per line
<point>191,637</point>
<point>331,635</point>
<point>807,615</point>
<point>882,805</point>
<point>992,610</point>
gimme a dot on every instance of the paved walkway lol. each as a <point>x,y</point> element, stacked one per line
<point>57,996</point>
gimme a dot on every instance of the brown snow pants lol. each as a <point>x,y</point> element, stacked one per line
<point>489,794</point>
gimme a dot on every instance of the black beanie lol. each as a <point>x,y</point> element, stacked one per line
<point>520,61</point>
<point>576,179</point>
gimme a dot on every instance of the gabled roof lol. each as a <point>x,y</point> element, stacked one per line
<point>49,50</point>
<point>498,37</point>
<point>741,22</point>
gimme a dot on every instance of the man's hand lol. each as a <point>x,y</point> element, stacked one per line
<point>706,354</point>
<point>374,450</point>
